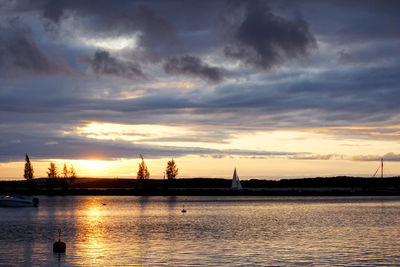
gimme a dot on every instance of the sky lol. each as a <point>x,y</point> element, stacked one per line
<point>276,89</point>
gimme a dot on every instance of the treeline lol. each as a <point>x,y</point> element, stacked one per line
<point>63,179</point>
<point>327,186</point>
<point>327,182</point>
<point>143,173</point>
<point>66,178</point>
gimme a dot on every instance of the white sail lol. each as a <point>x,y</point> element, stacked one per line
<point>236,185</point>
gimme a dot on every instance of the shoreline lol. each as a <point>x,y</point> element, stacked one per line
<point>208,192</point>
<point>329,186</point>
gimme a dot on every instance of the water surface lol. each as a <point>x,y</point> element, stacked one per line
<point>231,231</point>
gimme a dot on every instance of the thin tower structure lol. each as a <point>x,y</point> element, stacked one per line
<point>379,168</point>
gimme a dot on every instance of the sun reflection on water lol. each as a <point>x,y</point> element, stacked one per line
<point>217,231</point>
<point>92,245</point>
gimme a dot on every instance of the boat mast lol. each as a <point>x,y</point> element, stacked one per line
<point>381,167</point>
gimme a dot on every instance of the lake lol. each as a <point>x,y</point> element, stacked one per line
<point>215,231</point>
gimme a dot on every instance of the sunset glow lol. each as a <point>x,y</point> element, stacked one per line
<point>254,86</point>
<point>199,133</point>
<point>93,167</point>
<point>140,132</point>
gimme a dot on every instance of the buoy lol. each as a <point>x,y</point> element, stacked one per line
<point>59,247</point>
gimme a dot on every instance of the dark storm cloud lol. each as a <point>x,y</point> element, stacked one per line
<point>103,63</point>
<point>157,33</point>
<point>20,55</point>
<point>190,65</point>
<point>264,40</point>
<point>259,38</point>
<point>331,98</point>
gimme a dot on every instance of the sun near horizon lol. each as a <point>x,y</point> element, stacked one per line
<point>346,157</point>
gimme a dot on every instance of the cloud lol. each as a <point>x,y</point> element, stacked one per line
<point>21,56</point>
<point>171,38</point>
<point>193,66</point>
<point>102,63</point>
<point>346,96</point>
<point>316,157</point>
<point>82,148</point>
<point>361,21</point>
<point>265,40</point>
<point>156,34</point>
<point>387,157</point>
<point>382,132</point>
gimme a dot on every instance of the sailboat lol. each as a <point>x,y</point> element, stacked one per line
<point>236,185</point>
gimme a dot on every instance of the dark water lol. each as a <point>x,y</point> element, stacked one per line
<point>230,231</point>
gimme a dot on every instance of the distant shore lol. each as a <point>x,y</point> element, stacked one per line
<point>329,186</point>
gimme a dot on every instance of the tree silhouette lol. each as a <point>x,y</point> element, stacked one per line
<point>69,176</point>
<point>171,170</point>
<point>65,171</point>
<point>52,171</point>
<point>28,171</point>
<point>72,173</point>
<point>143,173</point>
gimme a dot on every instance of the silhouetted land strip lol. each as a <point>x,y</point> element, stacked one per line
<point>208,186</point>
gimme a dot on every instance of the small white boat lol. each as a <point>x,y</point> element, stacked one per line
<point>236,185</point>
<point>18,201</point>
